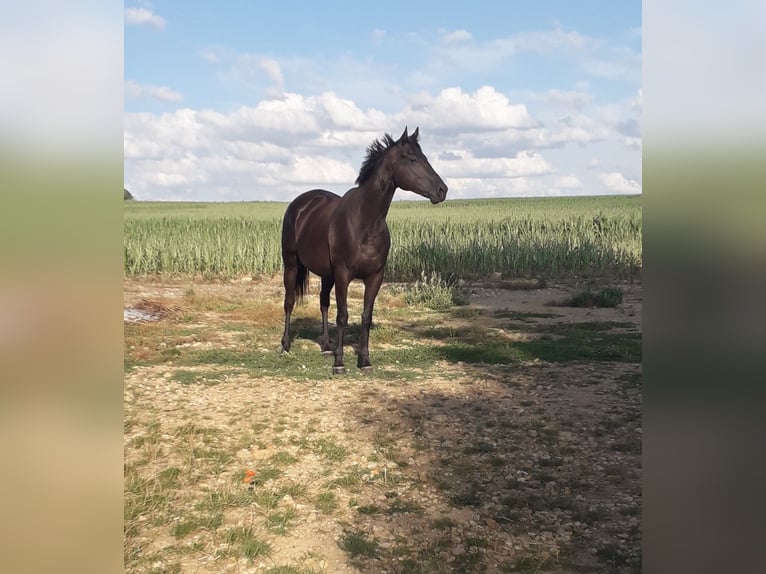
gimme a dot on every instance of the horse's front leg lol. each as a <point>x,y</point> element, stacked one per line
<point>371,287</point>
<point>324,306</point>
<point>341,300</point>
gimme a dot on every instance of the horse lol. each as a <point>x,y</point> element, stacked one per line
<point>345,238</point>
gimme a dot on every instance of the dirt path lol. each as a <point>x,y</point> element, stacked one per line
<point>458,461</point>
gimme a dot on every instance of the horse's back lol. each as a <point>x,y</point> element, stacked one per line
<point>305,228</point>
<point>305,205</point>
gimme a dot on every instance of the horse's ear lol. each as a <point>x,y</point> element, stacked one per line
<point>404,136</point>
<point>414,135</point>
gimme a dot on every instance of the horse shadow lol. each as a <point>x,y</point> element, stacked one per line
<point>310,329</point>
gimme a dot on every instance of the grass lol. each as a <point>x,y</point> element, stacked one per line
<point>279,521</point>
<point>207,521</point>
<point>326,502</point>
<point>330,449</point>
<point>584,342</point>
<point>184,471</point>
<point>291,570</point>
<point>242,541</point>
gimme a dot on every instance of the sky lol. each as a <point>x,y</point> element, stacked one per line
<point>252,100</point>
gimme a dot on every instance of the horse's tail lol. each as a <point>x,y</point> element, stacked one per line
<point>301,281</point>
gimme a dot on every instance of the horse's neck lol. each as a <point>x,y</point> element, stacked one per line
<point>375,198</point>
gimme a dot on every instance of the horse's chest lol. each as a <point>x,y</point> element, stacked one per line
<point>373,252</point>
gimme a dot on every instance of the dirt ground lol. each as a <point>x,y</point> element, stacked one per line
<point>458,463</point>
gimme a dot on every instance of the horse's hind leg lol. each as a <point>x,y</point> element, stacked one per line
<point>324,306</point>
<point>341,299</point>
<point>291,274</point>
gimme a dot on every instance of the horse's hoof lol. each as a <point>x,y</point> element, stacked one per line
<point>367,370</point>
<point>327,352</point>
<point>339,370</point>
<point>284,351</point>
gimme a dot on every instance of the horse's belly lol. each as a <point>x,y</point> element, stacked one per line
<point>315,259</point>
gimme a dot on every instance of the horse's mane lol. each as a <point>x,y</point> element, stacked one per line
<point>375,152</point>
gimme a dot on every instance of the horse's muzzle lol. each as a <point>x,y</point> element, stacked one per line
<point>440,195</point>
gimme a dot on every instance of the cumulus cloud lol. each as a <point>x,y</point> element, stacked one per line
<point>269,151</point>
<point>480,142</point>
<point>467,187</point>
<point>461,163</point>
<point>576,128</point>
<point>615,181</point>
<point>162,93</point>
<point>143,16</point>
<point>456,36</point>
<point>453,109</point>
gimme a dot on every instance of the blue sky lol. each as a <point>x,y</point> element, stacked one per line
<point>260,100</point>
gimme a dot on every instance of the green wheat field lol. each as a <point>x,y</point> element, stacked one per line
<point>469,239</point>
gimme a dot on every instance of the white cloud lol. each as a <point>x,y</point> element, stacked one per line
<point>625,66</point>
<point>547,41</point>
<point>577,128</point>
<point>144,16</point>
<point>269,151</point>
<point>615,181</point>
<point>457,51</point>
<point>162,93</point>
<point>461,163</point>
<point>468,187</point>
<point>210,55</point>
<point>479,142</point>
<point>320,170</point>
<point>567,182</point>
<point>377,36</point>
<point>457,36</point>
<point>570,99</point>
<point>453,109</point>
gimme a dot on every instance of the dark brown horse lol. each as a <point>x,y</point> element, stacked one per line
<point>346,238</point>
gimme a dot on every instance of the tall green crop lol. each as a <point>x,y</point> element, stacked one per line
<point>471,239</point>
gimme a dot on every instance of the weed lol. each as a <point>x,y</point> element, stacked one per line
<point>444,523</point>
<point>330,449</point>
<point>243,542</point>
<point>170,477</point>
<point>355,543</point>
<point>347,480</point>
<point>193,523</point>
<point>369,509</point>
<point>326,502</point>
<point>434,292</point>
<point>607,297</point>
<point>290,570</point>
<point>400,506</point>
<point>282,458</point>
<point>278,522</point>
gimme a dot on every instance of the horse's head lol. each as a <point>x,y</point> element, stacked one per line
<point>412,171</point>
